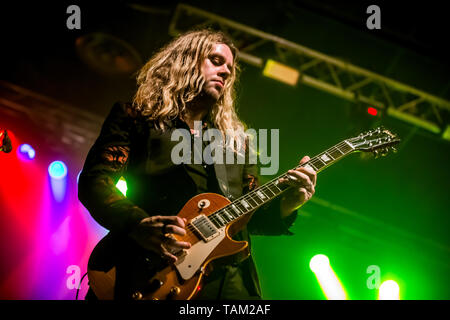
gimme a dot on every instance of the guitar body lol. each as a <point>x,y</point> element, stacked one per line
<point>120,269</point>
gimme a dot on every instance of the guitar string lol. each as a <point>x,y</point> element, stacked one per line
<point>219,219</point>
<point>315,161</point>
<point>266,187</point>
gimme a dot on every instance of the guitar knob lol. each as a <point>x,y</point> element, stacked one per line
<point>174,291</point>
<point>155,285</point>
<point>137,295</point>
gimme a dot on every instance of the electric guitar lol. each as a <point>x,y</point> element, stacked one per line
<point>119,268</point>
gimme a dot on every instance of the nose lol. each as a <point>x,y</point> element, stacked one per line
<point>224,72</point>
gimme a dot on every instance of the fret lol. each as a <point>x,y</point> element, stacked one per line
<point>256,197</point>
<point>224,216</point>
<point>325,158</point>
<point>346,147</point>
<point>268,189</point>
<point>245,204</point>
<point>250,200</point>
<point>336,148</point>
<point>322,162</point>
<point>236,210</point>
<point>341,149</point>
<point>317,163</point>
<point>261,195</point>
<point>275,184</point>
<point>335,154</point>
<point>329,155</point>
<point>215,221</point>
<point>241,207</point>
<point>310,165</point>
<point>229,215</point>
<point>220,219</point>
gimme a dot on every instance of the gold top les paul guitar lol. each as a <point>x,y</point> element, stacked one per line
<point>119,268</point>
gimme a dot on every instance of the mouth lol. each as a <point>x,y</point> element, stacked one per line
<point>220,83</point>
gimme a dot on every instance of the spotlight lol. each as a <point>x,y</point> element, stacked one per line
<point>57,170</point>
<point>389,290</point>
<point>58,179</point>
<point>328,281</point>
<point>27,151</point>
<point>122,186</point>
<point>281,72</point>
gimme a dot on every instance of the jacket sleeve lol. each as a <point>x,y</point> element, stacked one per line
<point>105,163</point>
<point>267,219</point>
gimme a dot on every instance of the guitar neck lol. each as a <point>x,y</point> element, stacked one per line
<point>270,190</point>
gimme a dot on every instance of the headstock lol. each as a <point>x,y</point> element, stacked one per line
<point>380,141</point>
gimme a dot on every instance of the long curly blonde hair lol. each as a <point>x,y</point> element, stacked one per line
<point>172,78</point>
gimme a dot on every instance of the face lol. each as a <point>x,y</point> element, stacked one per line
<point>216,69</point>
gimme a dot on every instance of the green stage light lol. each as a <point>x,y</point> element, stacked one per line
<point>328,281</point>
<point>122,186</point>
<point>389,290</point>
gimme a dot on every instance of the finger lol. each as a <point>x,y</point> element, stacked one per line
<point>291,179</point>
<point>305,194</point>
<point>175,244</point>
<point>298,178</point>
<point>305,159</point>
<point>310,173</point>
<point>175,220</point>
<point>172,229</point>
<point>167,255</point>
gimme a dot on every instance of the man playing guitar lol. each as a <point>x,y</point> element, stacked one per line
<point>191,79</point>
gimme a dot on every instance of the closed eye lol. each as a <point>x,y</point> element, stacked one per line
<point>218,61</point>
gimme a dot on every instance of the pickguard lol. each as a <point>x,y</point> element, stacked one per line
<point>190,263</point>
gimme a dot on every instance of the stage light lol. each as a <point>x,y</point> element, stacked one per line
<point>389,290</point>
<point>372,111</point>
<point>27,151</point>
<point>328,281</point>
<point>57,170</point>
<point>122,186</point>
<point>281,72</point>
<point>319,263</point>
<point>58,179</point>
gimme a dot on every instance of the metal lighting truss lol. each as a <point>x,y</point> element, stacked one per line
<point>323,72</point>
<point>63,127</point>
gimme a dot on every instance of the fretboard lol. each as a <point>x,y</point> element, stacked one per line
<point>272,189</point>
